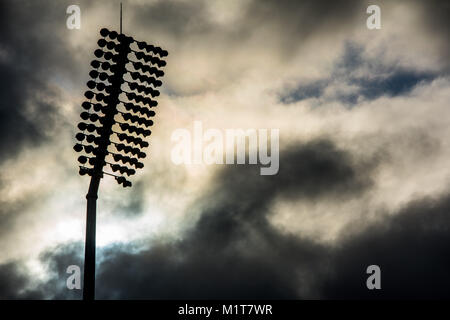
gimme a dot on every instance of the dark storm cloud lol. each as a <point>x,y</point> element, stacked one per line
<point>275,29</point>
<point>32,53</point>
<point>56,260</point>
<point>281,28</point>
<point>291,20</point>
<point>17,283</point>
<point>436,14</point>
<point>176,18</point>
<point>12,281</point>
<point>295,21</point>
<point>412,249</point>
<point>233,251</point>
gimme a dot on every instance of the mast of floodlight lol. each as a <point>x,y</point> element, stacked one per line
<point>119,109</point>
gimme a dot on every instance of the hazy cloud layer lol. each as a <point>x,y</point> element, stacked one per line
<point>234,252</point>
<point>364,125</point>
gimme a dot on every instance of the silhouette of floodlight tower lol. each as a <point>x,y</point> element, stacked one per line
<point>116,119</point>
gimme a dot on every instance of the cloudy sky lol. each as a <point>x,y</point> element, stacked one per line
<point>364,174</point>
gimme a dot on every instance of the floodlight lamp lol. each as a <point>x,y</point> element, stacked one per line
<point>89,94</point>
<point>106,65</point>
<point>84,115</point>
<point>95,64</point>
<point>86,105</point>
<point>98,53</point>
<point>82,126</point>
<point>93,74</point>
<point>78,147</point>
<point>101,43</point>
<point>104,32</point>
<point>80,136</point>
<point>113,35</point>
<point>91,84</point>
<point>82,159</point>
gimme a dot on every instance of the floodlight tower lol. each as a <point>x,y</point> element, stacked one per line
<point>119,110</point>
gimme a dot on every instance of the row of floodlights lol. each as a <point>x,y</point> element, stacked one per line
<point>112,57</point>
<point>141,44</point>
<point>121,180</point>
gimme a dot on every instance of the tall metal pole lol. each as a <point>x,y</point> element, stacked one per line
<point>89,250</point>
<point>121,18</point>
